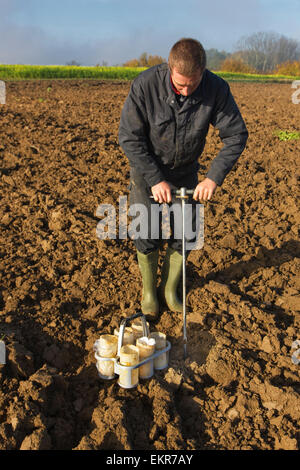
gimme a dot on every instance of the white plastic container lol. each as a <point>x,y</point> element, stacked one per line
<point>146,347</point>
<point>128,337</point>
<point>129,356</point>
<point>160,362</point>
<point>106,347</point>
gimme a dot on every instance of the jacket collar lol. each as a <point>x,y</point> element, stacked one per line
<point>193,99</point>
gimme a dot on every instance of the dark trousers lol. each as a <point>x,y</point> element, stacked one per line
<point>140,193</point>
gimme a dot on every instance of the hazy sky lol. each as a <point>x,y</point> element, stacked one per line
<point>93,31</point>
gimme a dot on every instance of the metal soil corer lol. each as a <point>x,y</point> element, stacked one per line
<point>184,194</point>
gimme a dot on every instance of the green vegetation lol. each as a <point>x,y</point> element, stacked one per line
<point>285,135</point>
<point>255,77</point>
<point>41,72</point>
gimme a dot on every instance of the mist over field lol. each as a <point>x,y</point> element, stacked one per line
<point>114,31</point>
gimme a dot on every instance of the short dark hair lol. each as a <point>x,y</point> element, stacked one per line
<point>188,56</point>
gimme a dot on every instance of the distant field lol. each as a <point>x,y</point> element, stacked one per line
<point>28,72</point>
<point>250,77</point>
<point>40,72</point>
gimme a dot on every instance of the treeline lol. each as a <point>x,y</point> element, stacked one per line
<point>145,60</point>
<point>262,52</point>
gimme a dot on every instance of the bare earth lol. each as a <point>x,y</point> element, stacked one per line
<point>61,286</point>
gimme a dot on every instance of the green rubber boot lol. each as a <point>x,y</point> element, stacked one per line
<point>148,267</point>
<point>170,276</point>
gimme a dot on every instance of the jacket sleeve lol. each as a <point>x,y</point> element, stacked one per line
<point>133,131</point>
<point>227,119</point>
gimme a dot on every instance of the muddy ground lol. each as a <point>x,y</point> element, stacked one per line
<point>61,286</point>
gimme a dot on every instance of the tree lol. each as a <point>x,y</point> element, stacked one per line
<point>74,63</point>
<point>155,60</point>
<point>236,64</point>
<point>288,68</point>
<point>131,63</point>
<point>265,50</point>
<point>214,58</point>
<point>145,61</point>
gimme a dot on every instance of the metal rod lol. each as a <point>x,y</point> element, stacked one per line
<point>124,323</point>
<point>183,195</point>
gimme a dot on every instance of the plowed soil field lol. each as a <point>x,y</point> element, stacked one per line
<point>62,287</point>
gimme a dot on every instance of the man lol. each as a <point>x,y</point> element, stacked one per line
<point>163,128</point>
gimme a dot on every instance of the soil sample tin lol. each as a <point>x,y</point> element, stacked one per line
<point>128,337</point>
<point>106,347</point>
<point>129,356</point>
<point>146,347</point>
<point>160,362</point>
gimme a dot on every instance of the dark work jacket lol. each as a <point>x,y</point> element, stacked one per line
<point>163,140</point>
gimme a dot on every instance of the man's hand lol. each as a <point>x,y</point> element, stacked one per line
<point>162,192</point>
<point>205,190</point>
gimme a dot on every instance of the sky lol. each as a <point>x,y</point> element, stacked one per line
<point>49,32</point>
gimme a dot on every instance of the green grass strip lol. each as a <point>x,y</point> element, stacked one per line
<point>253,77</point>
<point>29,72</point>
<point>42,72</point>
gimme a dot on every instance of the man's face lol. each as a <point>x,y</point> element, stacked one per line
<point>185,85</point>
